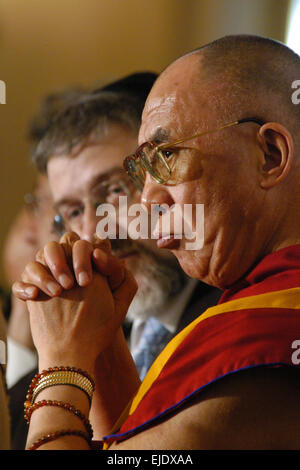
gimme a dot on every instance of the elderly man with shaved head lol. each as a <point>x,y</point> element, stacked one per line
<point>220,129</point>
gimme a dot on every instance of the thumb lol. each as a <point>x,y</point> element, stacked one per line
<point>109,266</point>
<point>125,293</point>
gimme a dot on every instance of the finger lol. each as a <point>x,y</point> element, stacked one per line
<point>82,263</point>
<point>124,294</point>
<point>69,238</point>
<point>24,291</point>
<point>110,266</point>
<point>56,261</point>
<point>103,244</point>
<point>38,275</point>
<point>67,241</point>
<point>40,257</point>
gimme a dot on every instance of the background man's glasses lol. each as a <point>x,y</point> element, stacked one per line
<point>153,158</point>
<point>70,216</point>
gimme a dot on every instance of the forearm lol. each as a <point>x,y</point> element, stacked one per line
<point>49,419</point>
<point>117,381</point>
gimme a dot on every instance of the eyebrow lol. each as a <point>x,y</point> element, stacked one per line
<point>160,136</point>
<point>95,180</point>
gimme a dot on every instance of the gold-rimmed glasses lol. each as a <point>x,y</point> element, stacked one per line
<point>152,157</point>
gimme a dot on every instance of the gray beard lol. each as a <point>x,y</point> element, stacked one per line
<point>158,279</point>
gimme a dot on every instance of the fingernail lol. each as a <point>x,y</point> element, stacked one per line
<point>30,291</point>
<point>53,288</point>
<point>65,281</point>
<point>101,255</point>
<point>83,278</point>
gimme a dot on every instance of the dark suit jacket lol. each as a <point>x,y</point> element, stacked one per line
<point>204,296</point>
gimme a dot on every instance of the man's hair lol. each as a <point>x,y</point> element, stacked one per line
<point>87,114</point>
<point>67,119</point>
<point>50,106</point>
<point>254,76</point>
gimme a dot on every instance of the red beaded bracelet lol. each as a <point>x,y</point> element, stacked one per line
<point>55,435</point>
<point>29,410</point>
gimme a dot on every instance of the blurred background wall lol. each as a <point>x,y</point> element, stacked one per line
<point>48,45</point>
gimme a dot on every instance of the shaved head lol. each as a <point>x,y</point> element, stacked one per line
<point>253,76</point>
<point>247,176</point>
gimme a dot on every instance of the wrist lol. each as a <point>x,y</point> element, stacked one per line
<point>47,362</point>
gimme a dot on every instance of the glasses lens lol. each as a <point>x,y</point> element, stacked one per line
<point>135,171</point>
<point>161,166</point>
<point>58,225</point>
<point>154,162</point>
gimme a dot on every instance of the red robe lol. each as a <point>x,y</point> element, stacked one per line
<point>256,323</point>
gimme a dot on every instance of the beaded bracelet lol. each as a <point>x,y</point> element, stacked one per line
<point>29,410</point>
<point>55,435</point>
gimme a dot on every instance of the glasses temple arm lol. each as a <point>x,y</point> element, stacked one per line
<point>234,123</point>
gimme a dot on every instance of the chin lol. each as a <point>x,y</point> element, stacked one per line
<point>200,267</point>
<point>192,264</point>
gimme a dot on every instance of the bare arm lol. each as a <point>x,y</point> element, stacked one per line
<point>117,382</point>
<point>254,409</point>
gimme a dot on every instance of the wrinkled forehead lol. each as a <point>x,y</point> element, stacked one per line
<point>174,102</point>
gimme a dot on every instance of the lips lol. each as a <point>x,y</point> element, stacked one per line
<point>168,242</point>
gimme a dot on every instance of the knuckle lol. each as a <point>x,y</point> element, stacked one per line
<point>17,290</point>
<point>31,266</point>
<point>132,284</point>
<point>50,246</point>
<point>40,255</point>
<point>24,276</point>
<point>104,244</point>
<point>69,238</point>
<point>83,244</point>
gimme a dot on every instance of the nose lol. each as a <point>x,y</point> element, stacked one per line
<point>89,223</point>
<point>155,194</point>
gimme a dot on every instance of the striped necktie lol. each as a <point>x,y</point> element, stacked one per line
<point>154,338</point>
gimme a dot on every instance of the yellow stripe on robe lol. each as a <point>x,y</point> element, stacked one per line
<point>288,298</point>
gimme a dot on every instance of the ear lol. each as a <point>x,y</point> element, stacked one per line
<point>277,145</point>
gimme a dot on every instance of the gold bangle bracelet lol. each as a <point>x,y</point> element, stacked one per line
<point>64,378</point>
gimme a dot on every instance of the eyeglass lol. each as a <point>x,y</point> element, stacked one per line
<point>152,157</point>
<point>58,225</point>
<point>108,191</point>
